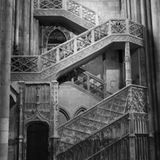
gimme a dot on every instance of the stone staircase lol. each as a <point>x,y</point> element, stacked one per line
<point>76,51</point>
<point>86,81</point>
<point>66,10</point>
<point>113,141</point>
<point>105,113</point>
<point>91,134</point>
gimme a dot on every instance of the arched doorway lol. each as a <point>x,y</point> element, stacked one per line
<point>37,141</point>
<point>55,38</point>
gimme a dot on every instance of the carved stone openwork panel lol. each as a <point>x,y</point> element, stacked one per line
<point>37,102</point>
<point>101,31</point>
<point>118,26</point>
<point>48,4</point>
<point>137,100</point>
<point>24,64</point>
<point>88,15</point>
<point>108,120</point>
<point>73,7</point>
<point>136,29</point>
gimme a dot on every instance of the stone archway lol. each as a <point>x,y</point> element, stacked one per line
<point>37,141</point>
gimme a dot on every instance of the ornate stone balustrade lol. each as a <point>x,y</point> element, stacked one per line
<point>118,149</point>
<point>104,113</point>
<point>135,145</point>
<point>25,63</point>
<point>92,146</point>
<point>42,62</point>
<point>69,5</point>
<point>90,83</point>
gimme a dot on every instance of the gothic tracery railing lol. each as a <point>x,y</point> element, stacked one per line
<point>69,5</point>
<point>112,133</point>
<point>102,114</point>
<point>89,82</point>
<point>76,44</point>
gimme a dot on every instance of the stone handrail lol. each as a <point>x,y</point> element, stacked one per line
<point>133,98</point>
<point>123,146</point>
<point>87,81</point>
<point>129,123</point>
<point>69,5</point>
<point>75,45</point>
<point>90,83</point>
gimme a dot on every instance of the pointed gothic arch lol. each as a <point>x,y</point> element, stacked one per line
<point>80,110</point>
<point>63,116</point>
<point>55,38</point>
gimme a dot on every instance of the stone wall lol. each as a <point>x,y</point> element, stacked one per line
<point>108,69</point>
<point>72,98</point>
<point>106,9</point>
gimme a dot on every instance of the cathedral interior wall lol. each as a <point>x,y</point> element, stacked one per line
<point>110,69</point>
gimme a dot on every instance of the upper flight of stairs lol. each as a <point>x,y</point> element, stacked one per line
<point>101,115</point>
<point>67,12</point>
<point>76,51</point>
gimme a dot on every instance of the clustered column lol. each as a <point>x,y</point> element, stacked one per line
<point>5,57</point>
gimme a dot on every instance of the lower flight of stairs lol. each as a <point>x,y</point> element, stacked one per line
<point>113,142</point>
<point>109,117</point>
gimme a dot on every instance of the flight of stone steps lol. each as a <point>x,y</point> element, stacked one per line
<point>110,118</point>
<point>93,119</point>
<point>76,51</point>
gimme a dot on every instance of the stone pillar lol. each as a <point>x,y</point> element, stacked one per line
<point>104,76</point>
<point>146,20</point>
<point>132,142</point>
<point>20,137</point>
<point>26,24</point>
<point>143,14</point>
<point>128,5</point>
<point>5,57</point>
<point>54,138</point>
<point>155,12</point>
<point>128,75</point>
<point>17,27</point>
<point>31,34</point>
